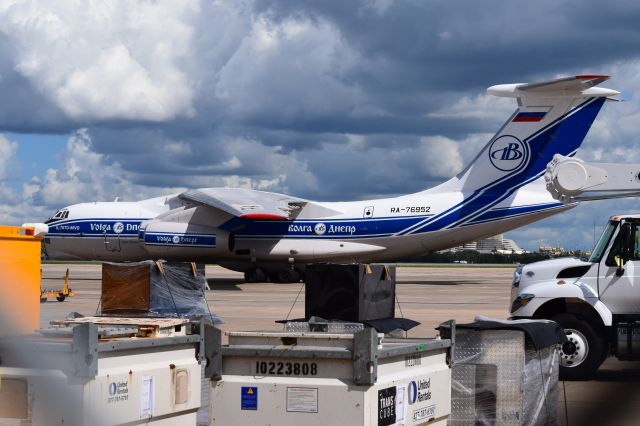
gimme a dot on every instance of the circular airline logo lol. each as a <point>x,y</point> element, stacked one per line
<point>507,153</point>
<point>320,228</point>
<point>118,227</point>
<point>413,392</point>
<point>112,388</point>
<point>175,239</point>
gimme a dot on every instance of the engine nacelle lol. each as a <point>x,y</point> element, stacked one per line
<point>183,241</point>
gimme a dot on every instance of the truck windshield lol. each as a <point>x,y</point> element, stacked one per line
<point>603,242</point>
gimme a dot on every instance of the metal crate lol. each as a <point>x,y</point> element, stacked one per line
<point>499,378</point>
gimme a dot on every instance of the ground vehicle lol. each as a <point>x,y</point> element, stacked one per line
<point>596,301</point>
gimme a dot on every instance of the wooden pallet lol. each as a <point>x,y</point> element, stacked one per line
<point>111,327</point>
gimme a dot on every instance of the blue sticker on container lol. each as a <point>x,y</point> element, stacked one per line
<point>249,398</point>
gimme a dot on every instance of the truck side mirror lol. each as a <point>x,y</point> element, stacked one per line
<point>626,242</point>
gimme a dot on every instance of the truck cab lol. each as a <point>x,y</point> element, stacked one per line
<point>596,301</point>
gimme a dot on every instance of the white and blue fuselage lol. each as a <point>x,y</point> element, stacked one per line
<point>500,190</point>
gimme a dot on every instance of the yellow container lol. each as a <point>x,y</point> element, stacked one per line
<point>20,278</point>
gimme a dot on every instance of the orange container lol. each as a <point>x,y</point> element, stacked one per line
<point>20,278</point>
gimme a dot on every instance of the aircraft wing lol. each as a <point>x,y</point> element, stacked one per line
<point>246,203</point>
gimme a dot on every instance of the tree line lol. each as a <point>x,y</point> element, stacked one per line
<point>472,256</point>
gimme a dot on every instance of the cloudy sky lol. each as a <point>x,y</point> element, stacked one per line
<point>330,100</point>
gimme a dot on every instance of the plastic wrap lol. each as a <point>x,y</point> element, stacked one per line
<point>350,292</point>
<point>498,378</point>
<point>541,374</point>
<point>160,289</point>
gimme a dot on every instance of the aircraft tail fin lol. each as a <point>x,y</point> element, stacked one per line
<point>553,117</point>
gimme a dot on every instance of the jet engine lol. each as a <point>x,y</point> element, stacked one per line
<point>184,241</point>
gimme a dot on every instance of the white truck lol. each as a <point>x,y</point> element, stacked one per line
<point>597,301</point>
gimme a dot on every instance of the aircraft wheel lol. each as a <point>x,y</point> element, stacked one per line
<point>60,298</point>
<point>43,299</point>
<point>255,275</point>
<point>288,276</point>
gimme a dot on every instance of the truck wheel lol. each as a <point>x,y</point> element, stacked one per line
<point>584,351</point>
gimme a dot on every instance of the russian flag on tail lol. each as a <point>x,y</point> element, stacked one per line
<point>528,117</point>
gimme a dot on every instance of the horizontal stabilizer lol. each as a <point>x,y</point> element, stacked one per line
<point>576,86</point>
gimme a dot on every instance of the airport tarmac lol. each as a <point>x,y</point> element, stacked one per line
<point>429,295</point>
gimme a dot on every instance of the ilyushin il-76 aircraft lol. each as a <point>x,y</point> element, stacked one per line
<point>269,235</point>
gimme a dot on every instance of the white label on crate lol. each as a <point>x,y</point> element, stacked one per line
<point>424,413</point>
<point>400,405</point>
<point>302,400</point>
<point>147,397</point>
<point>118,391</point>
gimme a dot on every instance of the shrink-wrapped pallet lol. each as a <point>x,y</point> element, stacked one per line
<point>499,377</point>
<point>154,289</point>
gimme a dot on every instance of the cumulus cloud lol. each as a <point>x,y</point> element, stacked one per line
<point>441,156</point>
<point>484,107</point>
<point>76,178</point>
<point>10,200</point>
<point>104,61</point>
<point>577,229</point>
<point>7,154</point>
<point>288,72</point>
<point>8,196</point>
<point>86,176</point>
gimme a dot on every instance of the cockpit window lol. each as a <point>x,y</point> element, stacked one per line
<point>60,214</point>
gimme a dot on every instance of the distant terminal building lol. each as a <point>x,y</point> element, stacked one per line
<point>554,251</point>
<point>495,244</point>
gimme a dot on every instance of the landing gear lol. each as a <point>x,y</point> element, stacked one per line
<point>255,275</point>
<point>286,276</point>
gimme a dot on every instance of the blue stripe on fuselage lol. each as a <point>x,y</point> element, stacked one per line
<point>493,215</point>
<point>510,212</point>
<point>333,228</point>
<point>338,228</point>
<point>95,227</point>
